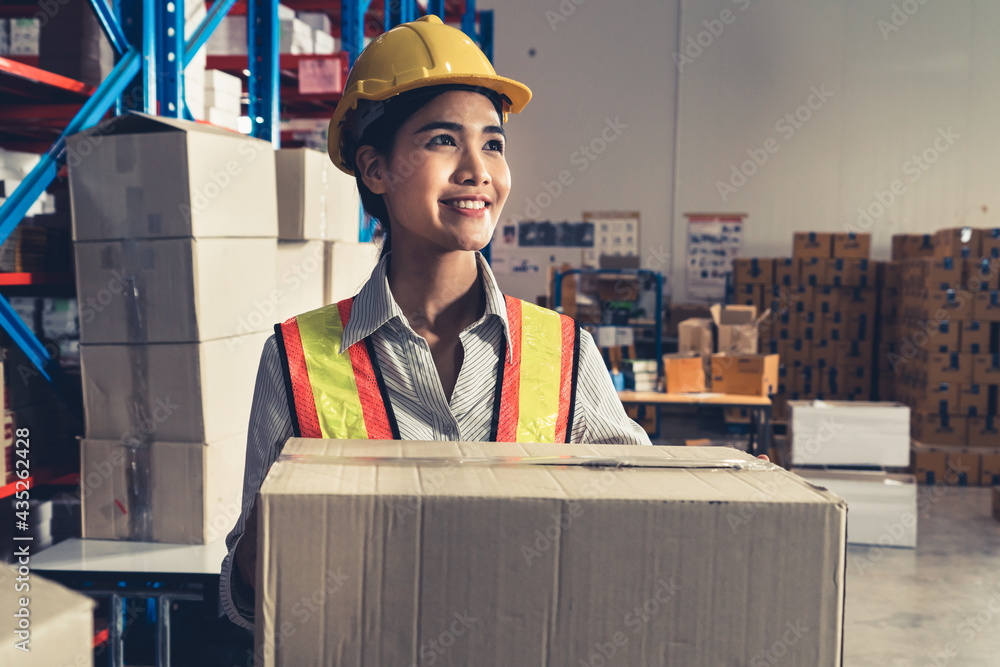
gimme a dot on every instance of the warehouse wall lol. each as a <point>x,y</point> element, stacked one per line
<point>903,124</point>
<point>596,62</point>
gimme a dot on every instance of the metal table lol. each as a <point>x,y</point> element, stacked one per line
<point>119,570</point>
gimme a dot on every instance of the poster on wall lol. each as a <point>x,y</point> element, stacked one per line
<point>614,232</point>
<point>714,239</point>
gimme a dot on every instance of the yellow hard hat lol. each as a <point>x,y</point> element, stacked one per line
<point>422,53</point>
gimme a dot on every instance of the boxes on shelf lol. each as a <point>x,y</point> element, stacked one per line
<point>956,466</point>
<point>316,201</point>
<point>295,37</point>
<point>230,38</point>
<point>175,290</point>
<point>745,374</point>
<point>640,374</point>
<point>882,506</point>
<point>208,182</point>
<point>484,554</point>
<point>162,491</point>
<point>812,244</point>
<point>851,433</point>
<point>684,373</point>
<point>321,75</point>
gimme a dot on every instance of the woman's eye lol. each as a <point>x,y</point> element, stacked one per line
<point>442,140</point>
<point>495,145</point>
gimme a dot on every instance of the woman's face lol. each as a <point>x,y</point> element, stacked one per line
<point>447,179</point>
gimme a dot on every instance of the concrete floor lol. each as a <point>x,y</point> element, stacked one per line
<point>936,605</point>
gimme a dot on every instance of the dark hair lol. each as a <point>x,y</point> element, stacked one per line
<point>381,135</point>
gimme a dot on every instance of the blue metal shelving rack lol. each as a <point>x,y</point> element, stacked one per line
<point>151,53</point>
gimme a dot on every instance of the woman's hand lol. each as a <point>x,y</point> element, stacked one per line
<point>246,550</point>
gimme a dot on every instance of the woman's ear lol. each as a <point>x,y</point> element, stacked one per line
<point>371,166</point>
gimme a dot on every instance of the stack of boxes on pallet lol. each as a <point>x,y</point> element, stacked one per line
<point>823,306</point>
<point>941,355</point>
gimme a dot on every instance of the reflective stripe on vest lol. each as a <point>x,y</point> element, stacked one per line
<point>342,396</point>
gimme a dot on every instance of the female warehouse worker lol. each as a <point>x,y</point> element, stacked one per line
<point>429,349</point>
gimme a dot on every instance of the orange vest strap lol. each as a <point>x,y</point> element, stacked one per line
<point>302,404</point>
<point>371,391</point>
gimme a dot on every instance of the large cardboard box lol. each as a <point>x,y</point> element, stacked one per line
<point>979,399</point>
<point>300,269</point>
<point>172,392</point>
<point>175,290</point>
<point>316,200</point>
<point>684,372</point>
<point>347,266</point>
<point>990,239</point>
<point>850,245</point>
<point>204,181</point>
<point>982,274</point>
<point>812,244</point>
<point>60,622</point>
<point>745,374</point>
<point>753,270</point>
<point>984,431</point>
<point>953,367</point>
<point>938,397</point>
<point>981,337</point>
<point>942,273</point>
<point>787,271</point>
<point>695,335</point>
<point>934,428</point>
<point>985,368</point>
<point>958,242</point>
<point>160,491</point>
<point>737,328</point>
<point>929,464</point>
<point>964,467</point>
<point>883,507</point>
<point>987,306</point>
<point>504,562</point>
<point>958,305</point>
<point>907,246</point>
<point>849,433</point>
<point>813,271</point>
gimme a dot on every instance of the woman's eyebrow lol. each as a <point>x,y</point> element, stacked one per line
<point>457,127</point>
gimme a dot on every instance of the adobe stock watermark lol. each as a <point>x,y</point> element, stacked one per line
<point>968,629</point>
<point>900,15</point>
<point>562,12</point>
<point>434,649</point>
<point>776,652</point>
<point>786,127</point>
<point>913,168</point>
<point>584,156</point>
<point>894,532</point>
<point>636,620</point>
<point>693,46</point>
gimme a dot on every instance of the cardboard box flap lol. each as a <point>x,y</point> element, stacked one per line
<point>529,470</point>
<point>139,123</point>
<point>725,315</point>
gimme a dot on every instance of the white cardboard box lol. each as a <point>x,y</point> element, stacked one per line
<point>300,277</point>
<point>883,507</point>
<point>223,83</point>
<point>347,267</point>
<point>61,622</point>
<point>665,556</point>
<point>316,201</point>
<point>174,290</point>
<point>296,37</point>
<point>180,492</point>
<point>226,118</point>
<point>324,43</point>
<point>172,392</point>
<point>139,176</point>
<point>849,433</point>
<point>230,38</point>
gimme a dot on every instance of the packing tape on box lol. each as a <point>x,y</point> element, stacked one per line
<point>516,461</point>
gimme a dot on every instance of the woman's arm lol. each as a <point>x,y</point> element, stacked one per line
<point>599,416</point>
<point>270,426</point>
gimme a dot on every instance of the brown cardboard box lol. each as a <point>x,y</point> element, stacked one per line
<point>827,300</point>
<point>939,397</point>
<point>737,329</point>
<point>59,621</point>
<point>951,367</point>
<point>784,299</point>
<point>981,337</point>
<point>191,491</point>
<point>950,304</point>
<point>851,245</point>
<point>753,270</point>
<point>989,469</point>
<point>795,352</point>
<point>856,381</point>
<point>685,373</point>
<point>942,273</point>
<point>832,387</point>
<point>991,243</point>
<point>778,326</point>
<point>987,306</point>
<point>848,273</point>
<point>745,374</point>
<point>963,468</point>
<point>985,368</point>
<point>678,312</point>
<point>495,557</point>
<point>802,298</point>
<point>982,274</point>
<point>857,300</point>
<point>934,335</point>
<point>929,463</point>
<point>804,380</point>
<point>788,271</point>
<point>984,431</point>
<point>958,242</point>
<point>937,429</point>
<point>812,244</point>
<point>889,275</point>
<point>813,271</point>
<point>979,399</point>
<point>749,294</point>
<point>906,246</point>
<point>853,352</point>
<point>806,325</point>
<point>695,335</point>
<point>832,327</point>
<point>822,353</point>
<point>860,327</point>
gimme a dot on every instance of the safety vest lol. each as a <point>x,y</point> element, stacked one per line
<point>334,395</point>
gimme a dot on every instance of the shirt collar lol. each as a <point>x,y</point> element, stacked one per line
<point>375,300</point>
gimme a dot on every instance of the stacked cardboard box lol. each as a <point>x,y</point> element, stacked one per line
<point>941,352</point>
<point>175,262</point>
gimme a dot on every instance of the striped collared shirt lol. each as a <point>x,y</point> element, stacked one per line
<point>422,410</point>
